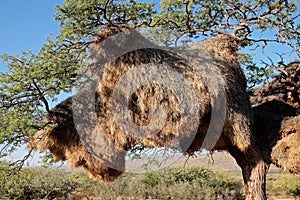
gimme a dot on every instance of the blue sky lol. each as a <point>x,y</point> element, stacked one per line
<point>25,25</point>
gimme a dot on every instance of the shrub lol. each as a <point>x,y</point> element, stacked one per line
<point>283,185</point>
<point>34,183</point>
<point>174,183</point>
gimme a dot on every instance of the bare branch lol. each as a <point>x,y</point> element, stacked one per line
<point>105,11</point>
<point>42,97</point>
<point>18,165</point>
<point>188,12</point>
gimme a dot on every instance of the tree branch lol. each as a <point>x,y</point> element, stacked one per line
<point>42,97</point>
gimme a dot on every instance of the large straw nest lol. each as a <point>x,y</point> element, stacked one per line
<point>283,87</point>
<point>278,139</point>
<point>276,119</point>
<point>268,120</point>
<point>65,143</point>
<point>286,153</point>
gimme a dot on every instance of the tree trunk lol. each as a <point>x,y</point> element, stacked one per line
<point>255,180</point>
<point>254,170</point>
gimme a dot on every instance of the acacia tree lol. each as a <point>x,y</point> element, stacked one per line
<point>32,80</point>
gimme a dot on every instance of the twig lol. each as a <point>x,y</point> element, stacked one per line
<point>18,165</point>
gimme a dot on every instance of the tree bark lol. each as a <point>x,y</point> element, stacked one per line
<point>254,170</point>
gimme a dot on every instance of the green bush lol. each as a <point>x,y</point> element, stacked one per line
<point>34,183</point>
<point>283,184</point>
<point>174,183</point>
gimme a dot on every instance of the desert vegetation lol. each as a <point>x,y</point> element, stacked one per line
<point>170,183</point>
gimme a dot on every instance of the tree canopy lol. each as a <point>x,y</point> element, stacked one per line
<point>32,80</point>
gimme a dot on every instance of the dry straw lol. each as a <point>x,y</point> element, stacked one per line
<point>65,144</point>
<point>277,120</point>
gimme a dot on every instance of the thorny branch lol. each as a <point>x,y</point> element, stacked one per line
<point>239,16</point>
<point>18,165</point>
<point>105,12</point>
<point>41,96</point>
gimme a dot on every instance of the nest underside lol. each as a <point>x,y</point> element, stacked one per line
<point>286,153</point>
